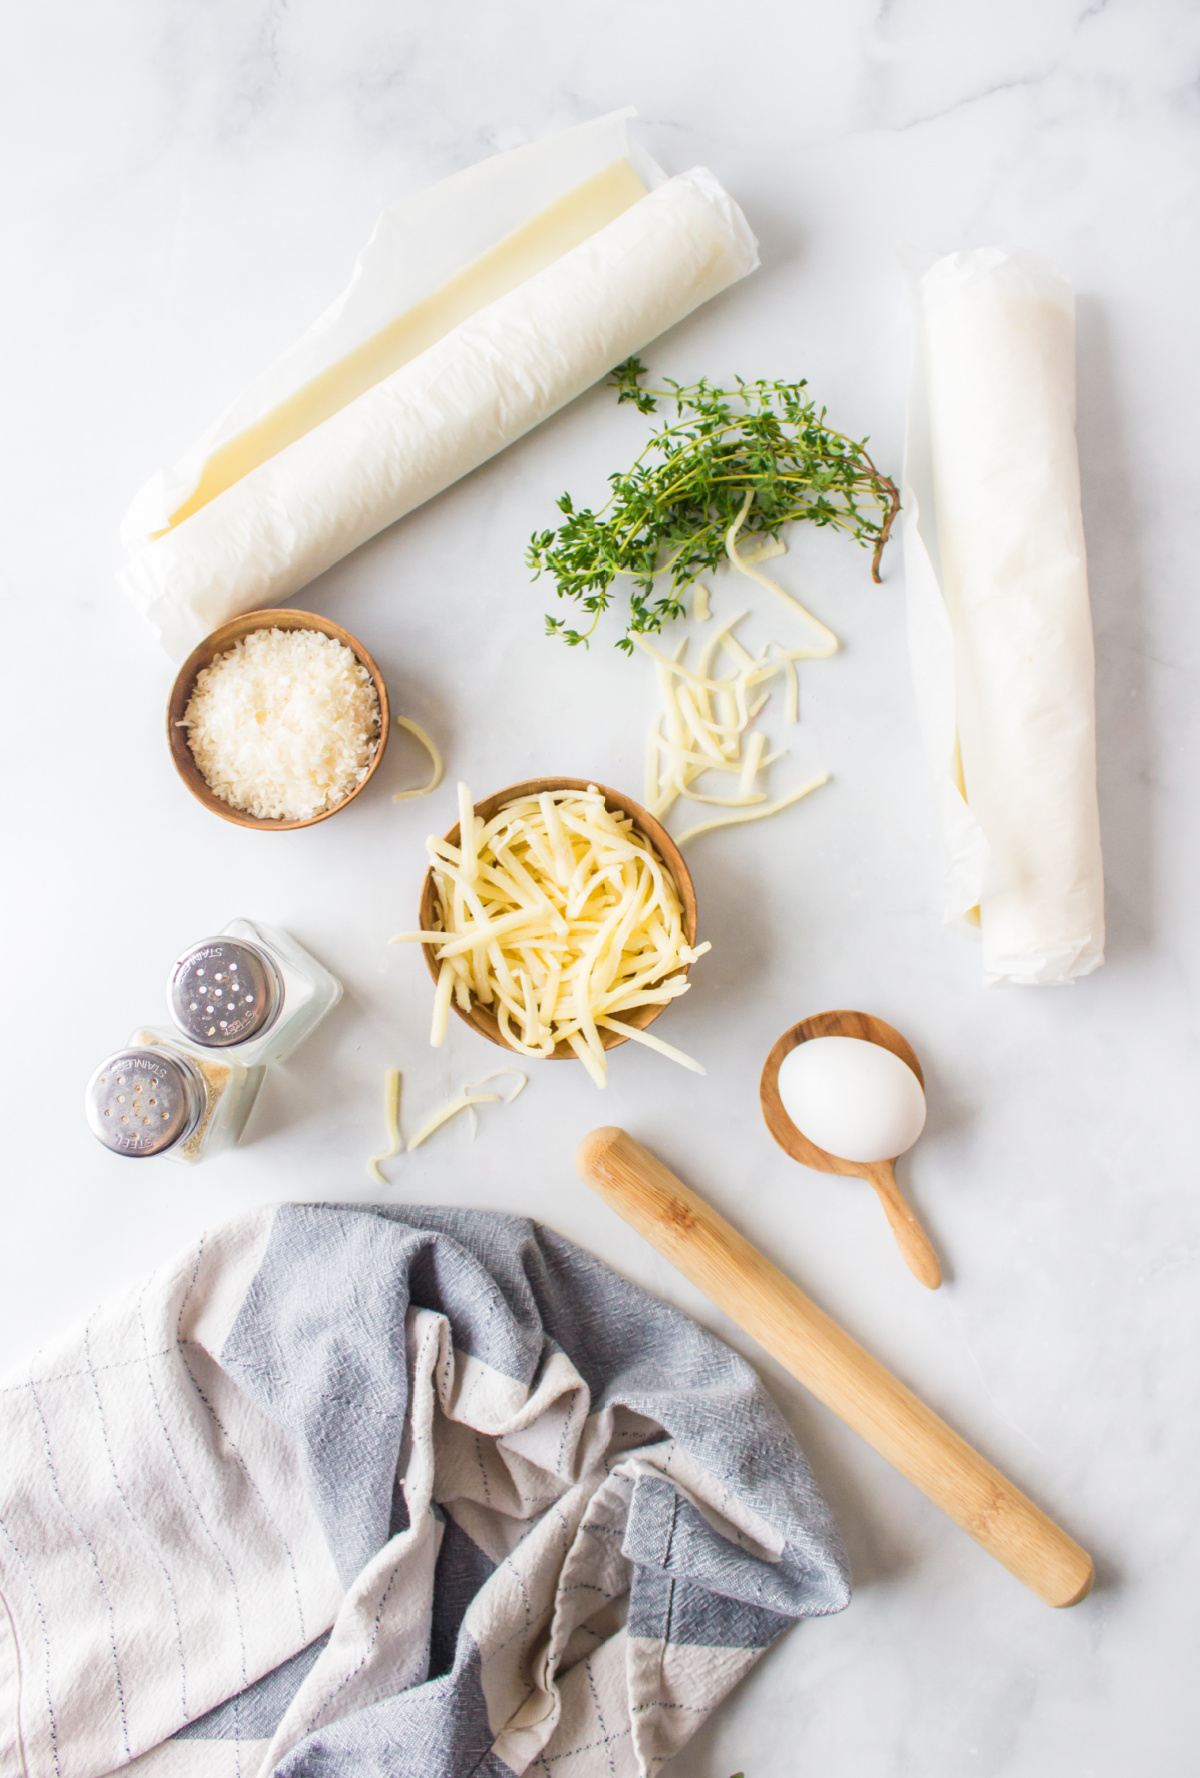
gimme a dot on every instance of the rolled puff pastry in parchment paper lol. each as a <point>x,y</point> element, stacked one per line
<point>1000,628</point>
<point>501,370</point>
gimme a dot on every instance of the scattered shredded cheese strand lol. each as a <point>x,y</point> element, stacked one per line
<point>468,1099</point>
<point>743,566</point>
<point>742,801</point>
<point>792,705</point>
<point>784,802</point>
<point>430,746</point>
<point>763,552</point>
<point>557,914</point>
<point>688,715</point>
<point>522,1081</point>
<point>654,1043</point>
<point>463,1102</point>
<point>704,721</point>
<point>391,1120</point>
<point>751,763</point>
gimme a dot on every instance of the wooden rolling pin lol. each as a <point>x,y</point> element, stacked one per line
<point>773,1311</point>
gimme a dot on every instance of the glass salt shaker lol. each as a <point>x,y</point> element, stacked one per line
<point>250,991</point>
<point>161,1096</point>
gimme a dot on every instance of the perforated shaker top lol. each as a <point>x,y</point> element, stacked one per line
<point>144,1100</point>
<point>224,991</point>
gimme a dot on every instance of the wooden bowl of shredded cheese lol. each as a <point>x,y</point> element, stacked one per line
<point>278,720</point>
<point>569,920</point>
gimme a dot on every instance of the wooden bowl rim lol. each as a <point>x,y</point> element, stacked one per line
<point>282,618</point>
<point>484,1022</point>
<point>824,1024</point>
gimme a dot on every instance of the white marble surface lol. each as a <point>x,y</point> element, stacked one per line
<point>184,189</point>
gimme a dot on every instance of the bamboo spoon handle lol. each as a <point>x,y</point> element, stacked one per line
<point>911,1239</point>
<point>773,1311</point>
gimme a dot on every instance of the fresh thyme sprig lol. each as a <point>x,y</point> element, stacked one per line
<point>752,459</point>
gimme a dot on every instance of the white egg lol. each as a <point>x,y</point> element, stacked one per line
<point>854,1099</point>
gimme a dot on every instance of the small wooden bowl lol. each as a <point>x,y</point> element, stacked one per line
<point>218,643</point>
<point>481,1018</point>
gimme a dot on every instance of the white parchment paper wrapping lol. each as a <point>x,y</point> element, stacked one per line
<point>489,380</point>
<point>999,624</point>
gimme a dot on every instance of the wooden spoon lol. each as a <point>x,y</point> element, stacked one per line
<point>911,1238</point>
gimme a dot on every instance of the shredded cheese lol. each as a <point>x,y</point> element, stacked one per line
<point>783,802</point>
<point>439,769</point>
<point>828,641</point>
<point>705,716</point>
<point>467,1100</point>
<point>391,1119</point>
<point>559,916</point>
<point>654,1043</point>
<point>283,724</point>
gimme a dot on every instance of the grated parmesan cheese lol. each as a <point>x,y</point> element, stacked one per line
<point>560,916</point>
<point>284,724</point>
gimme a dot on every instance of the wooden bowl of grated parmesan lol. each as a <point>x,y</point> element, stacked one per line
<point>278,720</point>
<point>530,874</point>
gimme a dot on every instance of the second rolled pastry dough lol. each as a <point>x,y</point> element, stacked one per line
<point>1000,625</point>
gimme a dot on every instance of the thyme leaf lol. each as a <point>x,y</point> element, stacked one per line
<point>753,458</point>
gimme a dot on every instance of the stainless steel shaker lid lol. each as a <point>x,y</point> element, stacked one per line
<point>140,1101</point>
<point>224,991</point>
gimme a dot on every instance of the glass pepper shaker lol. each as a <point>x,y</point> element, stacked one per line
<point>161,1096</point>
<point>252,991</point>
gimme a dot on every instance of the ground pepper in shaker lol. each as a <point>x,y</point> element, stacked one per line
<point>157,1096</point>
<point>252,991</point>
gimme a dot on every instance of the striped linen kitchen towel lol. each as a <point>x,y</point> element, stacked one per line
<point>357,1490</point>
